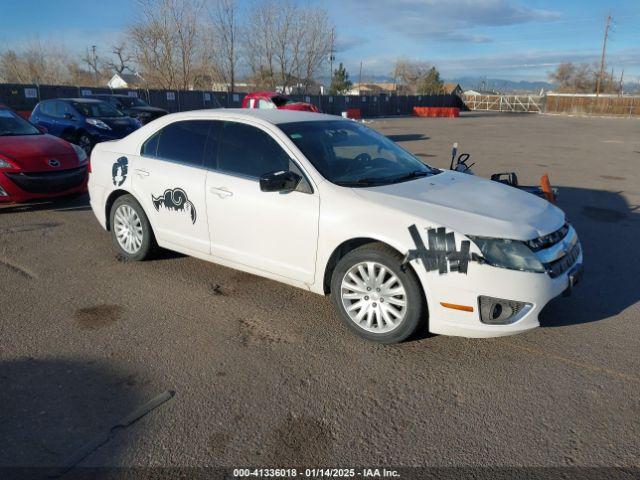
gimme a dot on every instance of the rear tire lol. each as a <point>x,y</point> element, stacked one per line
<point>376,296</point>
<point>130,229</point>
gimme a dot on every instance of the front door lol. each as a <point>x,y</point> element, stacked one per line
<point>271,231</point>
<point>169,177</point>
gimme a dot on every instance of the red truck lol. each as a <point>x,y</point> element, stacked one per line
<point>275,100</point>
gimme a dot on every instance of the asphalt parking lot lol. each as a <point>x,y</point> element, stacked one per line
<point>267,375</point>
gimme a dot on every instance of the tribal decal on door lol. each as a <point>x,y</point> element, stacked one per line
<point>175,199</point>
<point>119,171</point>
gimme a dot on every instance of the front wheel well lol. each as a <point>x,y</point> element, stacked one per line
<point>341,251</point>
<point>113,196</point>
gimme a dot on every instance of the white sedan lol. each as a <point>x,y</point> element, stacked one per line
<point>331,206</point>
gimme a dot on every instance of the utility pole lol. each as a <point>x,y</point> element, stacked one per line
<point>621,77</point>
<point>604,49</point>
<point>360,79</point>
<point>331,58</point>
<point>95,65</point>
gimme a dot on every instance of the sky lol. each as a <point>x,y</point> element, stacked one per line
<point>509,39</point>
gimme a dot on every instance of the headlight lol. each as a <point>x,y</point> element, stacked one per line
<point>5,164</point>
<point>82,155</point>
<point>98,123</point>
<point>504,253</point>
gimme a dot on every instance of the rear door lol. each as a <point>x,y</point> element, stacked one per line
<point>169,179</point>
<point>272,231</point>
<point>47,117</point>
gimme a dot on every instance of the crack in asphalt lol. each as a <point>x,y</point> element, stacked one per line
<point>29,227</point>
<point>17,269</point>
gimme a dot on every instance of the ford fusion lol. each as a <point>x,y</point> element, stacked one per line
<point>331,206</point>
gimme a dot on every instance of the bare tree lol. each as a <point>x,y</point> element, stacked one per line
<point>317,44</point>
<point>407,74</point>
<point>35,63</point>
<point>259,45</point>
<point>224,40</point>
<point>121,61</point>
<point>581,78</point>
<point>563,75</point>
<point>286,44</point>
<point>79,75</point>
<point>167,42</point>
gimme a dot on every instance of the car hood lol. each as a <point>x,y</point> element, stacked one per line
<point>470,205</point>
<point>31,152</point>
<point>121,126</point>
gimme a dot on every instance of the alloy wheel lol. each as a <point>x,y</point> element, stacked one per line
<point>374,297</point>
<point>128,229</point>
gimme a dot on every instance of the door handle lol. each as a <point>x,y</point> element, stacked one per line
<point>142,173</point>
<point>222,192</point>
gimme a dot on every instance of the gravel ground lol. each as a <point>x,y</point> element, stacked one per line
<point>267,375</point>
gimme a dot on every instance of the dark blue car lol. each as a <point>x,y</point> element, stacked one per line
<point>83,121</point>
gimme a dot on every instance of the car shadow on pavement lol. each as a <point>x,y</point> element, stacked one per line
<point>63,204</point>
<point>51,408</point>
<point>609,229</point>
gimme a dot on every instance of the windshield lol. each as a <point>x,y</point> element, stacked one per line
<point>131,102</point>
<point>97,109</point>
<point>352,155</point>
<point>281,101</point>
<point>12,124</point>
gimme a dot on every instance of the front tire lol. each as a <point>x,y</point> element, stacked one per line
<point>85,142</point>
<point>130,229</point>
<point>376,296</point>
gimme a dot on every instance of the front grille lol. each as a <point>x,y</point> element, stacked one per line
<point>560,266</point>
<point>547,241</point>
<point>49,182</point>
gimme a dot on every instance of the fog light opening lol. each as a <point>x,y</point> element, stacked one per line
<point>498,311</point>
<point>3,193</point>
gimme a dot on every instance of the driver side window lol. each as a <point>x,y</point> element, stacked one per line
<point>250,152</point>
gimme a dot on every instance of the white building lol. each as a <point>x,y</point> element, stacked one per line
<point>125,80</point>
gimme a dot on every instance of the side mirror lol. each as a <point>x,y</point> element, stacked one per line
<point>281,181</point>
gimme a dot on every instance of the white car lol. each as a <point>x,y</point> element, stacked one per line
<point>329,205</point>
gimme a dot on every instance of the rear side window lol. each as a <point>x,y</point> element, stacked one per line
<point>249,151</point>
<point>48,108</point>
<point>182,142</point>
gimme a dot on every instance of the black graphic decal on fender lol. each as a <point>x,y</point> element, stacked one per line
<point>119,171</point>
<point>441,253</point>
<point>175,199</point>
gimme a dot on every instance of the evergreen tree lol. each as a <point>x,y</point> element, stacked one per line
<point>430,83</point>
<point>340,83</point>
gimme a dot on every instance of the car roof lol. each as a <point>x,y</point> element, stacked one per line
<point>266,93</point>
<point>273,116</point>
<point>117,95</point>
<point>79,100</point>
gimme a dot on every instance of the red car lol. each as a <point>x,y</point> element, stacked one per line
<point>275,100</point>
<point>35,165</point>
